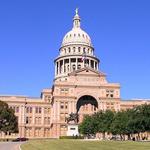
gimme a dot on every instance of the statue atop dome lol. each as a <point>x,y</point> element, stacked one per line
<point>76,11</point>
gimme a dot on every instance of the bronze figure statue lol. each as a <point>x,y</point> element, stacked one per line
<point>72,117</point>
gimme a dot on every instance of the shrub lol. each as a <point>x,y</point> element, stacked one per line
<point>71,137</point>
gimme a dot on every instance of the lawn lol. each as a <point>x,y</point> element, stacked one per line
<point>84,145</point>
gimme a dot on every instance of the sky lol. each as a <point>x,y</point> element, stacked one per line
<point>31,32</point>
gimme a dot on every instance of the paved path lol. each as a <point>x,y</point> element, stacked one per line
<point>10,145</point>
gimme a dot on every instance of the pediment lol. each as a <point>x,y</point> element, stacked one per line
<point>87,71</point>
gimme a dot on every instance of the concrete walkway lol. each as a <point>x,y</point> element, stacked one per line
<point>10,145</point>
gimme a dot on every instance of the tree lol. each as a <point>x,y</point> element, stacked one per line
<point>8,120</point>
<point>128,122</point>
<point>103,121</point>
<point>88,126</point>
<point>140,120</point>
<point>119,124</point>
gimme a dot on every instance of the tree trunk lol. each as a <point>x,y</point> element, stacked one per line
<point>120,137</point>
<point>103,135</point>
<point>138,136</point>
<point>129,137</point>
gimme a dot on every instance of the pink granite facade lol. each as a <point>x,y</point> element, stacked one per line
<point>78,87</point>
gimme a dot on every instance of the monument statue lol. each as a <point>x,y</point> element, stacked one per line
<point>72,117</point>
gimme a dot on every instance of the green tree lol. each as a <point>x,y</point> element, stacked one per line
<point>103,121</point>
<point>88,126</point>
<point>139,120</point>
<point>8,120</point>
<point>120,124</point>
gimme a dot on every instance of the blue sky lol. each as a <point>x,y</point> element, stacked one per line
<point>31,33</point>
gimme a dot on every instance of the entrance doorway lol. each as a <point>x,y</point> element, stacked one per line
<point>86,105</point>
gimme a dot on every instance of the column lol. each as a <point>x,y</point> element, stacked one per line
<point>97,65</point>
<point>59,67</point>
<point>76,63</point>
<point>63,65</point>
<point>90,63</point>
<point>83,63</point>
<point>69,64</point>
<point>94,64</point>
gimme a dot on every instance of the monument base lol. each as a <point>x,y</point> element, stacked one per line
<point>72,130</point>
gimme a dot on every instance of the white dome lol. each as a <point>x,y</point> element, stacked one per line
<point>76,35</point>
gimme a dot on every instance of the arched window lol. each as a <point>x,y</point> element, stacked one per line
<point>79,49</point>
<point>68,67</point>
<point>84,49</point>
<point>69,49</point>
<point>74,49</point>
<point>79,66</point>
<point>73,67</point>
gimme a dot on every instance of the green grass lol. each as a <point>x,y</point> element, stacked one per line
<point>84,145</point>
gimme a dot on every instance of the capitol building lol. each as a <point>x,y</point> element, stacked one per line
<point>79,87</point>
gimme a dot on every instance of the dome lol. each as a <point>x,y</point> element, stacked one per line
<point>76,35</point>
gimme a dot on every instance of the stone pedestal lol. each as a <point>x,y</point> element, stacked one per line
<point>72,130</point>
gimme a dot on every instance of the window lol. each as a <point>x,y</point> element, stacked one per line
<point>73,67</point>
<point>64,91</point>
<point>110,93</point>
<point>79,49</point>
<point>62,105</point>
<point>15,108</point>
<point>47,120</point>
<point>47,98</point>
<point>47,110</point>
<point>47,132</point>
<point>37,132</point>
<point>63,116</point>
<point>66,105</point>
<point>74,49</point>
<point>28,120</point>
<point>28,131</point>
<point>79,66</point>
<point>28,109</point>
<point>38,120</point>
<point>38,110</point>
